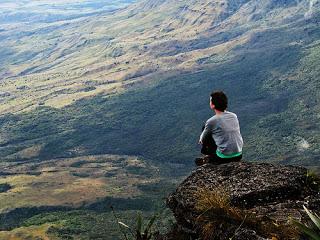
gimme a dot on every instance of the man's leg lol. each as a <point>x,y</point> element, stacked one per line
<point>209,148</point>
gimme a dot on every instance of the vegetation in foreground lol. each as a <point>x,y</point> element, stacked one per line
<point>311,230</point>
<point>141,230</point>
<point>217,214</point>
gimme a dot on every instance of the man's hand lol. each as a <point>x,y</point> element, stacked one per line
<point>200,142</point>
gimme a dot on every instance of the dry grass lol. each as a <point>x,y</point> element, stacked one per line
<point>217,213</point>
<point>73,181</point>
<point>70,61</point>
<point>27,153</point>
<point>27,233</point>
<point>215,208</point>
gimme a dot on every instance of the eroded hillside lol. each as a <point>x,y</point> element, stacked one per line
<point>56,63</point>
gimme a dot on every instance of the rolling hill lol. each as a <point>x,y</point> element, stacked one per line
<point>133,84</point>
<point>259,53</point>
<point>107,53</point>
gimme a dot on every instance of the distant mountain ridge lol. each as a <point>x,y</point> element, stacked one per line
<point>147,39</point>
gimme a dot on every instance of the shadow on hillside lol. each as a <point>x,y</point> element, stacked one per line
<point>161,122</point>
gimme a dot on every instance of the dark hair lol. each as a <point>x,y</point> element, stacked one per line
<point>219,100</point>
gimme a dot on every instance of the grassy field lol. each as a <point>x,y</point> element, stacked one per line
<point>70,198</point>
<point>24,233</point>
<point>82,224</point>
<point>74,182</point>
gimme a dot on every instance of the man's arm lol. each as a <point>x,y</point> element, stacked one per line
<point>207,131</point>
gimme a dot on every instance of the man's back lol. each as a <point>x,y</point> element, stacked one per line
<point>225,131</point>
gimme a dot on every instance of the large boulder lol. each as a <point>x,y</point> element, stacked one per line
<point>244,201</point>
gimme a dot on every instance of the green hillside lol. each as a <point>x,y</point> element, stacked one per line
<point>114,119</point>
<point>268,87</point>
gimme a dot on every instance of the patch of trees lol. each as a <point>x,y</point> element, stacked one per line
<point>4,187</point>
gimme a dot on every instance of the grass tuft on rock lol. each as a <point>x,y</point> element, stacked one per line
<point>218,219</point>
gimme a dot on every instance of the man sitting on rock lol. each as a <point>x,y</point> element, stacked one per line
<point>220,138</point>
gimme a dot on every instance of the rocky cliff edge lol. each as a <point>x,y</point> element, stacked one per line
<point>243,201</point>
